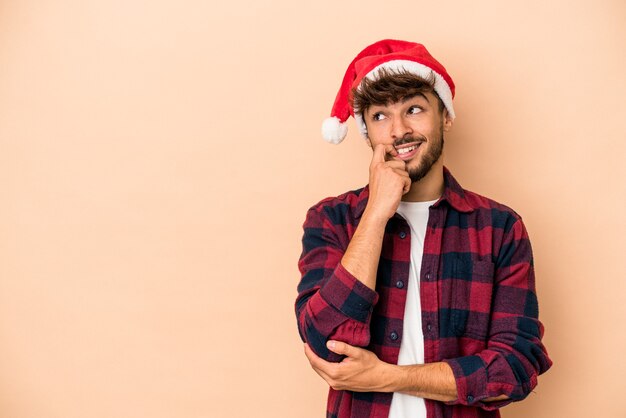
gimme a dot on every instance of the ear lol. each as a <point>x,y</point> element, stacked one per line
<point>447,120</point>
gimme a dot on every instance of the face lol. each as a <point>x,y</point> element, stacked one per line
<point>414,127</point>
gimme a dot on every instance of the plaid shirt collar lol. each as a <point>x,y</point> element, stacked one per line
<point>453,193</point>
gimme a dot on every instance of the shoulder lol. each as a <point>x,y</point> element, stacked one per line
<point>344,203</point>
<point>338,213</point>
<point>497,214</point>
<point>333,220</point>
<point>482,210</point>
<point>480,202</point>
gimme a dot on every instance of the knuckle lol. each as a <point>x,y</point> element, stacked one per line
<point>336,384</point>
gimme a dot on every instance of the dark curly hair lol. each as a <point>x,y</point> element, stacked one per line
<point>391,87</point>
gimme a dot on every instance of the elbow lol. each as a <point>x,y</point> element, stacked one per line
<point>317,333</point>
<point>527,361</point>
<point>317,343</point>
<point>316,339</point>
<point>519,359</point>
<point>526,371</point>
<point>496,377</point>
<point>323,315</point>
<point>520,370</point>
<point>349,332</point>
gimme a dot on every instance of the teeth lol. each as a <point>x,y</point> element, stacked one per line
<point>405,150</point>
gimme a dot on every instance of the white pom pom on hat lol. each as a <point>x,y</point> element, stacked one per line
<point>333,130</point>
<point>393,55</point>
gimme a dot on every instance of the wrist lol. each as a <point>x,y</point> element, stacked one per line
<point>374,217</point>
<point>393,378</point>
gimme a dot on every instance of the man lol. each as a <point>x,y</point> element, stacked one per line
<point>417,297</point>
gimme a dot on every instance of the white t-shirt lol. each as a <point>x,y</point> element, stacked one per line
<point>412,345</point>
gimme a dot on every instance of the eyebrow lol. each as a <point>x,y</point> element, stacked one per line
<point>406,99</point>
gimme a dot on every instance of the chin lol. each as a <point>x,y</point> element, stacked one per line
<point>421,170</point>
<point>417,174</point>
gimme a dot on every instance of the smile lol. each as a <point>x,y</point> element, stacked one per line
<point>408,151</point>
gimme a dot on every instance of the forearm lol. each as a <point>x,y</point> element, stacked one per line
<point>430,381</point>
<point>363,252</point>
<point>362,371</point>
<point>388,181</point>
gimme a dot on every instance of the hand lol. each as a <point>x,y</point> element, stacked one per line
<point>388,181</point>
<point>360,371</point>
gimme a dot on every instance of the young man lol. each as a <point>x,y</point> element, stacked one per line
<point>417,297</point>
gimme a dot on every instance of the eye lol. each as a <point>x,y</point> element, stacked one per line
<point>413,110</point>
<point>378,116</point>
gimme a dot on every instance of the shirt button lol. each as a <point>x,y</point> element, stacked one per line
<point>402,235</point>
<point>393,336</point>
<point>470,398</point>
<point>429,327</point>
<point>428,276</point>
<point>399,284</point>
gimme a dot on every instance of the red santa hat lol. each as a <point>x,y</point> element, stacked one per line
<point>394,56</point>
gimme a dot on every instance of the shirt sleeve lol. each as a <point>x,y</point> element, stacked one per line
<point>331,302</point>
<point>514,355</point>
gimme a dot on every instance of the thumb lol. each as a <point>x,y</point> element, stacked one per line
<point>342,348</point>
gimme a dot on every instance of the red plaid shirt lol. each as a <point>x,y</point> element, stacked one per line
<point>477,290</point>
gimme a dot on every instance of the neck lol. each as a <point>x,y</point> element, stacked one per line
<point>430,187</point>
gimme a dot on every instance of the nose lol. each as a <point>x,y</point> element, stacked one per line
<point>400,128</point>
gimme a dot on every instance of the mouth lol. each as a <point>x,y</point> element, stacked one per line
<point>408,151</point>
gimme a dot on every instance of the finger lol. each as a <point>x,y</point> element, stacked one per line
<point>323,375</point>
<point>396,163</point>
<point>379,154</point>
<point>318,364</point>
<point>343,348</point>
<point>310,354</point>
<point>316,361</point>
<point>391,154</point>
<point>384,152</point>
<point>407,184</point>
<point>401,172</point>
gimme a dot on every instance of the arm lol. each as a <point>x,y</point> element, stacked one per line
<point>362,371</point>
<point>389,180</point>
<point>336,292</point>
<point>514,355</point>
<point>505,371</point>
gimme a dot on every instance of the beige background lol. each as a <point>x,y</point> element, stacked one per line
<point>157,159</point>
